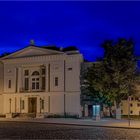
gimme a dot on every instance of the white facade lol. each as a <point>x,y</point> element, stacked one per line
<point>40,80</point>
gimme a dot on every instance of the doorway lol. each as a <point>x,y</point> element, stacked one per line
<point>32,105</point>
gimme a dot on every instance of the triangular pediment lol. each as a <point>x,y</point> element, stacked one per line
<point>32,51</point>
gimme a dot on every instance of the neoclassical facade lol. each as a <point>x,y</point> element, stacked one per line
<point>41,81</point>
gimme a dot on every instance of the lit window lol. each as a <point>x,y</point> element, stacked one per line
<point>26,72</point>
<point>9,84</point>
<point>56,81</point>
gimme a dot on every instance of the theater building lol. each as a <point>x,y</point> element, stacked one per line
<point>40,81</point>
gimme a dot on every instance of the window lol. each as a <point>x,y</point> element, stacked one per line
<point>42,104</point>
<point>35,83</point>
<point>43,83</point>
<point>131,105</point>
<point>35,80</point>
<point>26,84</point>
<point>138,105</point>
<point>26,72</point>
<point>56,81</point>
<point>132,98</point>
<point>35,73</point>
<point>43,71</point>
<point>131,112</point>
<point>22,104</point>
<point>9,84</point>
<point>69,69</point>
<point>121,111</point>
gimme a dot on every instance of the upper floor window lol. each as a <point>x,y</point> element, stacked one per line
<point>56,81</point>
<point>43,71</point>
<point>35,73</point>
<point>43,83</point>
<point>26,83</point>
<point>26,72</point>
<point>9,84</point>
<point>69,69</point>
<point>35,83</point>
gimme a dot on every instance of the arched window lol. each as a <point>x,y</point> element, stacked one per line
<point>35,73</point>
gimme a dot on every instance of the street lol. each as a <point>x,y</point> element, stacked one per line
<point>21,130</point>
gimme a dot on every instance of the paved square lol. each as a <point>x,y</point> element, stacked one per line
<point>21,130</point>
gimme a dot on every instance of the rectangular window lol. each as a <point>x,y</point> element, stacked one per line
<point>37,85</point>
<point>26,84</point>
<point>9,84</point>
<point>33,85</point>
<point>56,81</point>
<point>69,69</point>
<point>43,71</point>
<point>22,104</point>
<point>131,105</point>
<point>26,72</point>
<point>42,104</point>
<point>131,112</point>
<point>138,104</point>
<point>43,83</point>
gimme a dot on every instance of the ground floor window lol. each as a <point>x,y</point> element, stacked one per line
<point>41,104</point>
<point>22,104</point>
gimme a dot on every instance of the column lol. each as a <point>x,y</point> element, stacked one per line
<point>46,78</point>
<point>19,79</point>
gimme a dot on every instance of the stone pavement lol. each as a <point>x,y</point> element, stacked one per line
<point>80,122</point>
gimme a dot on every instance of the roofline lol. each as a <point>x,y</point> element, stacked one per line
<point>31,46</point>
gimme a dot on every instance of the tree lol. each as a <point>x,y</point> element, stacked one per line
<point>4,54</point>
<point>114,76</point>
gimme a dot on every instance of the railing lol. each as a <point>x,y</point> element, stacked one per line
<point>30,90</point>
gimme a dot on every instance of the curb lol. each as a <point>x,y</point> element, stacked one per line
<point>74,124</point>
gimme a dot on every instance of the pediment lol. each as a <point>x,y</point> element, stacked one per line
<point>32,51</point>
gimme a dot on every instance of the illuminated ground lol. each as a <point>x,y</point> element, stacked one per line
<point>20,130</point>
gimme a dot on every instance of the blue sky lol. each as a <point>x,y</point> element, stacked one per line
<point>82,24</point>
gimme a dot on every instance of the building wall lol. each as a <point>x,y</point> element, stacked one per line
<point>57,99</point>
<point>134,107</point>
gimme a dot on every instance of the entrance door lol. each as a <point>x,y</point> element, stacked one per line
<point>32,105</point>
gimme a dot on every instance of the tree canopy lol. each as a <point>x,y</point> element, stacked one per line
<point>113,77</point>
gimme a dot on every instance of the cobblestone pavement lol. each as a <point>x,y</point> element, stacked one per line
<point>21,130</point>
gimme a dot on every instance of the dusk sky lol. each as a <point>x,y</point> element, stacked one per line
<point>82,24</point>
